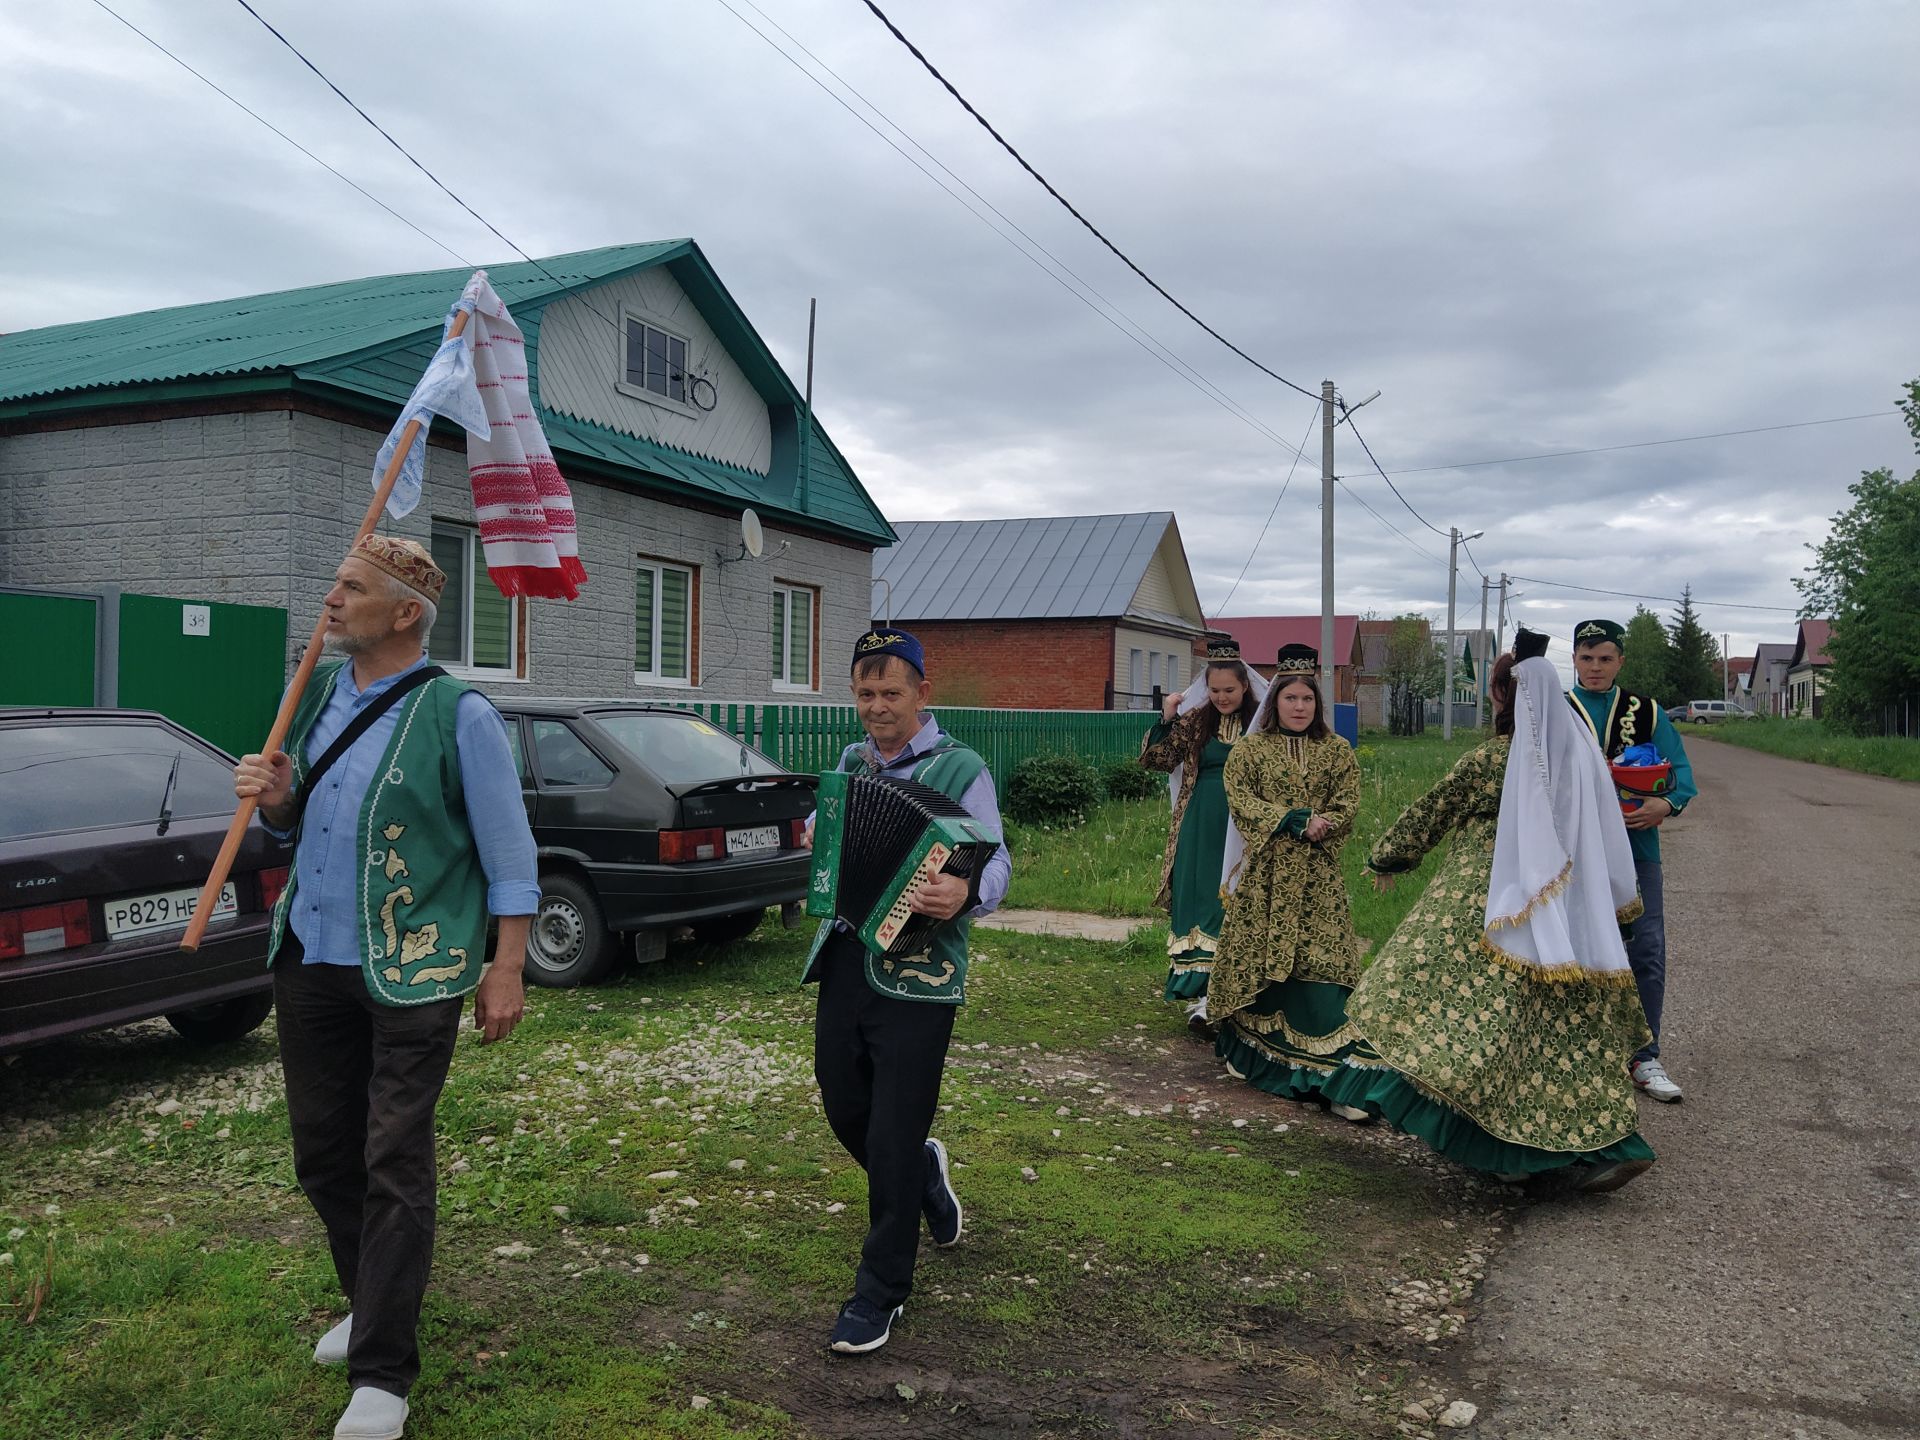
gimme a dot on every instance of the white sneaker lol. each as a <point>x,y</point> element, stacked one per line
<point>372,1415</point>
<point>1651,1076</point>
<point>1197,1011</point>
<point>1353,1113</point>
<point>332,1348</point>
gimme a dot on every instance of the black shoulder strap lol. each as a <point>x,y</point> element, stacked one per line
<point>359,726</point>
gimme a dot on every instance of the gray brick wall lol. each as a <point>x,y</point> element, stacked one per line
<point>257,509</point>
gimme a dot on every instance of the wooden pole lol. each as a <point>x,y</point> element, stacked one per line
<point>283,721</point>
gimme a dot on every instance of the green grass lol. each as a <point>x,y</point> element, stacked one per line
<point>1813,740</point>
<point>189,1279</point>
<point>1111,864</point>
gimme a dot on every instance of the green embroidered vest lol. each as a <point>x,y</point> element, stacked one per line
<point>940,975</point>
<point>421,894</point>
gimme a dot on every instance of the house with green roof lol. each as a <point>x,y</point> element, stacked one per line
<point>222,452</point>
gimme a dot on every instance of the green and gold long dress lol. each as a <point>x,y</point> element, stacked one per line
<point>1287,958</point>
<point>1196,841</point>
<point>1496,1064</point>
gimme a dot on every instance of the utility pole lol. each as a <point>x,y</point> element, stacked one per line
<point>1480,671</point>
<point>1500,631</point>
<point>1453,577</point>
<point>1726,669</point>
<point>1327,696</point>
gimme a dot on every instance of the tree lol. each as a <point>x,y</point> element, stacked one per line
<point>1866,577</point>
<point>1648,666</point>
<point>1413,673</point>
<point>1694,672</point>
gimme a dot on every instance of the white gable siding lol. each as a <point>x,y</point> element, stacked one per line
<point>1166,588</point>
<point>579,361</point>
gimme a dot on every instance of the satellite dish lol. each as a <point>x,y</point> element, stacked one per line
<point>752,538</point>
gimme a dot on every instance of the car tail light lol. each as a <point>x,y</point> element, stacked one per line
<point>272,882</point>
<point>796,834</point>
<point>43,928</point>
<point>677,847</point>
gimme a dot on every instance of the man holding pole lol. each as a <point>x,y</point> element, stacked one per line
<point>401,793</point>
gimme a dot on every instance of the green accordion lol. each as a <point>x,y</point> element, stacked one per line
<point>875,842</point>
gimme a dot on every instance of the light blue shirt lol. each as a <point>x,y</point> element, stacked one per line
<point>326,866</point>
<point>979,800</point>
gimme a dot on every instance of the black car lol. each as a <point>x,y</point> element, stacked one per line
<point>109,824</point>
<point>648,819</point>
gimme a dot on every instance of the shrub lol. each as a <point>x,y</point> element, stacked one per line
<point>1130,780</point>
<point>1049,789</point>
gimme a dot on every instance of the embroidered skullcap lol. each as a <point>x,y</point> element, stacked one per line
<point>1222,649</point>
<point>1599,632</point>
<point>885,640</point>
<point>406,561</point>
<point>1296,660</point>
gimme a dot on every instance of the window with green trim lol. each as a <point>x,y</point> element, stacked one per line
<point>796,610</point>
<point>663,630</point>
<point>479,628</point>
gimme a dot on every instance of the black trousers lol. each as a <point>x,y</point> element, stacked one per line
<point>878,1060</point>
<point>362,1082</point>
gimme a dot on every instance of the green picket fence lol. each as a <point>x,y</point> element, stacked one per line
<point>812,737</point>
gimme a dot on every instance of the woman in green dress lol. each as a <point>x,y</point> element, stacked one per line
<point>1287,958</point>
<point>1503,1004</point>
<point>1195,735</point>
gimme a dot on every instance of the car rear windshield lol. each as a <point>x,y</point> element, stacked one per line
<point>75,776</point>
<point>682,749</point>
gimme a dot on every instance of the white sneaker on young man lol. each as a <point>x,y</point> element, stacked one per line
<point>1650,1077</point>
<point>372,1415</point>
<point>332,1346</point>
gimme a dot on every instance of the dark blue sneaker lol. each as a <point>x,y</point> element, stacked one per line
<point>862,1326</point>
<point>940,1205</point>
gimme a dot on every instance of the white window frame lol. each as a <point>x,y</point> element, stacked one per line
<point>784,591</point>
<point>654,677</point>
<point>520,666</point>
<point>630,316</point>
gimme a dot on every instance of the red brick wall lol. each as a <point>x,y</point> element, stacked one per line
<point>1018,664</point>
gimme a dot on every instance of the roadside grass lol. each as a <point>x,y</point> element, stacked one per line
<point>641,1204</point>
<point>1814,741</point>
<point>1110,865</point>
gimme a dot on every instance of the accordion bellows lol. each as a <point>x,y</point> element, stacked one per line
<point>875,842</point>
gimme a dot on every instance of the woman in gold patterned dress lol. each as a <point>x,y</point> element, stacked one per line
<point>1503,1003</point>
<point>1287,958</point>
<point>1195,735</point>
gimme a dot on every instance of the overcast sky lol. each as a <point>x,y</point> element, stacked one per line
<point>1532,228</point>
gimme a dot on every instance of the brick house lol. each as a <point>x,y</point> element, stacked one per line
<point>1261,637</point>
<point>221,452</point>
<point>1083,612</point>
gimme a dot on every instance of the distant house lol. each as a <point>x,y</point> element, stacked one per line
<point>1767,684</point>
<point>222,452</point>
<point>1738,669</point>
<point>1081,612</point>
<point>1806,669</point>
<point>1261,637</point>
<point>1473,655</point>
<point>1370,687</point>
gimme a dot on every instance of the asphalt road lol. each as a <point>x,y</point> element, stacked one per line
<point>1764,1278</point>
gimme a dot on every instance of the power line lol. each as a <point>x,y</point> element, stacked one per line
<point>1299,450</point>
<point>1663,599</point>
<point>434,239</point>
<point>1092,229</point>
<point>1635,445</point>
<point>1471,561</point>
<point>1130,328</point>
<point>1361,501</point>
<point>1390,485</point>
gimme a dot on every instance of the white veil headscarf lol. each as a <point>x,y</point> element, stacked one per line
<point>1562,866</point>
<point>1192,698</point>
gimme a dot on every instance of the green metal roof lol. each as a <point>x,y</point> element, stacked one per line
<point>365,342</point>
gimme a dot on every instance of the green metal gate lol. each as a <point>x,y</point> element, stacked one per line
<point>216,669</point>
<point>49,648</point>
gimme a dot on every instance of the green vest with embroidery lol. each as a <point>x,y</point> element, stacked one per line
<point>421,893</point>
<point>1627,721</point>
<point>939,976</point>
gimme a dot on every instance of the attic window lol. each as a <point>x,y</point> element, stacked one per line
<point>656,361</point>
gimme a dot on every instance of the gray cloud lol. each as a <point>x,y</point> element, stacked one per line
<point>1533,230</point>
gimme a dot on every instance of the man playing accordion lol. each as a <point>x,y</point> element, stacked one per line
<point>882,1027</point>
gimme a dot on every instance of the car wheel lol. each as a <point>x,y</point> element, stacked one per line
<point>728,928</point>
<point>569,943</point>
<point>223,1020</point>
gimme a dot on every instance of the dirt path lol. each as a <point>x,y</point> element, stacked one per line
<point>1764,1279</point>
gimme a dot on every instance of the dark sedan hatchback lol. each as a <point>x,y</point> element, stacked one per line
<point>109,824</point>
<point>647,819</point>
